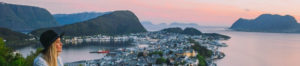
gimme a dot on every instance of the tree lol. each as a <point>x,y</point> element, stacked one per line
<point>201,60</point>
<point>170,52</point>
<point>203,51</point>
<point>140,54</point>
<point>160,53</point>
<point>161,60</point>
<point>2,61</point>
<point>8,58</point>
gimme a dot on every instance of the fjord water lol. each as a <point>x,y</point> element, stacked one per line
<point>81,51</point>
<point>259,49</point>
<point>245,49</point>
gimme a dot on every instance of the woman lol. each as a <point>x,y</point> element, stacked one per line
<point>52,48</point>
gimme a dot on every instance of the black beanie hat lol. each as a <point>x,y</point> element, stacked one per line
<point>48,37</point>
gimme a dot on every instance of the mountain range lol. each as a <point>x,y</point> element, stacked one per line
<point>114,23</point>
<point>65,19</point>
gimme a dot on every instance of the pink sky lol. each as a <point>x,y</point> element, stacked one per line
<point>202,12</point>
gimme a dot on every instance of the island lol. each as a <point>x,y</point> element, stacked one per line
<point>268,23</point>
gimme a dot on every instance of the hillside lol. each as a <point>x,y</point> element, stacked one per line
<point>10,35</point>
<point>24,18</point>
<point>115,23</point>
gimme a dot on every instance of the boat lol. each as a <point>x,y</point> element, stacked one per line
<point>100,51</point>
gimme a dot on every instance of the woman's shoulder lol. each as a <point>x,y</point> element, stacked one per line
<point>60,62</point>
<point>39,61</point>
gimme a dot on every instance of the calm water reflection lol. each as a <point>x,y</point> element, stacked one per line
<point>260,49</point>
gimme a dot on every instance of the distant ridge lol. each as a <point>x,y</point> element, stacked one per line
<point>155,27</point>
<point>65,19</point>
<point>187,31</point>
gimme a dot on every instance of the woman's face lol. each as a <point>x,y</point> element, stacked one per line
<point>58,45</point>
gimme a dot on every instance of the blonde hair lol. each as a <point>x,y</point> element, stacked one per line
<point>50,55</point>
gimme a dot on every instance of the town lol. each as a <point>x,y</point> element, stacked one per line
<point>162,48</point>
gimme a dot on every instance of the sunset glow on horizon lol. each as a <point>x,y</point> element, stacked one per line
<point>202,12</point>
